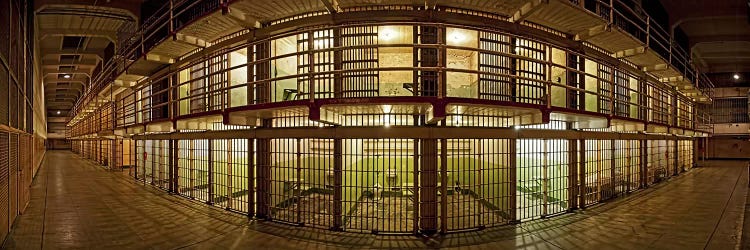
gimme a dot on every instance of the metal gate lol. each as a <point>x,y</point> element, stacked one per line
<point>599,171</point>
<point>301,181</point>
<point>475,183</point>
<point>193,169</point>
<point>379,188</point>
<point>231,174</point>
<point>542,177</point>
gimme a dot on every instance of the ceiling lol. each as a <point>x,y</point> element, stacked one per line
<point>719,36</point>
<point>72,39</point>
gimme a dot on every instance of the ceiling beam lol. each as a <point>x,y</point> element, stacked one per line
<point>110,35</point>
<point>53,79</point>
<point>57,62</point>
<point>728,68</point>
<point>86,52</point>
<point>69,72</point>
<point>526,10</point>
<point>695,40</point>
<point>245,20</point>
<point>331,5</point>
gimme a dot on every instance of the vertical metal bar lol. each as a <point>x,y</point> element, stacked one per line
<point>415,185</point>
<point>613,164</point>
<point>513,167</point>
<point>210,172</point>
<point>251,166</point>
<point>629,164</point>
<point>572,174</point>
<point>338,88</point>
<point>337,185</point>
<point>229,173</point>
<point>174,177</point>
<point>676,157</point>
<point>582,174</point>
<point>311,70</point>
<point>545,178</point>
<point>644,163</point>
<point>428,179</point>
<point>263,171</point>
<point>443,185</point>
<point>298,169</point>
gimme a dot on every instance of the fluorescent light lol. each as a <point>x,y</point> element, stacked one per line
<point>736,76</point>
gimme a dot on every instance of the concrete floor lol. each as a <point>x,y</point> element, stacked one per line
<point>76,204</point>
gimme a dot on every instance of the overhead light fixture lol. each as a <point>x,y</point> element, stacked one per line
<point>66,76</point>
<point>58,112</point>
<point>736,76</point>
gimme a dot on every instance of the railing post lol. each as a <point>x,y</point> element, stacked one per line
<point>171,17</point>
<point>648,31</point>
<point>611,12</point>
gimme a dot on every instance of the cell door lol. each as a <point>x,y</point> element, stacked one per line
<point>161,164</point>
<point>476,186</point>
<point>302,184</point>
<point>192,169</point>
<point>379,191</point>
<point>599,172</point>
<point>542,178</point>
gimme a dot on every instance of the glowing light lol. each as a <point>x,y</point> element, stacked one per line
<point>387,125</point>
<point>736,76</point>
<point>66,76</point>
<point>388,33</point>
<point>517,127</point>
<point>58,112</point>
<point>457,36</point>
<point>387,108</point>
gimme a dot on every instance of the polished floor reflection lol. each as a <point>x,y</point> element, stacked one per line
<point>76,204</point>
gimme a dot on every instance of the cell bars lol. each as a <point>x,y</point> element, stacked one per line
<point>598,168</point>
<point>380,190</point>
<point>403,185</point>
<point>475,183</point>
<point>193,169</point>
<point>627,165</point>
<point>658,167</point>
<point>231,175</point>
<point>542,177</point>
<point>686,152</point>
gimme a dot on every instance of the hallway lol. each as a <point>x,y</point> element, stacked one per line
<point>76,204</point>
